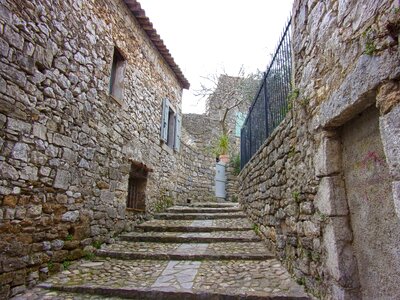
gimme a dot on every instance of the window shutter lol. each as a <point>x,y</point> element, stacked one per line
<point>178,124</point>
<point>164,120</point>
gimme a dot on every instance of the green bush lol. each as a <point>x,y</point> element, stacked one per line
<point>235,163</point>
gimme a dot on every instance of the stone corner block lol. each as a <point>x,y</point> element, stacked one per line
<point>331,197</point>
<point>390,134</point>
<point>328,158</point>
<point>339,292</point>
<point>396,197</point>
<point>340,260</point>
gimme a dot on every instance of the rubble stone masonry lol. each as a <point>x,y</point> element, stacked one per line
<point>66,145</point>
<point>346,60</point>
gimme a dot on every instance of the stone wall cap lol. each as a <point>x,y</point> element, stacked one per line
<point>140,15</point>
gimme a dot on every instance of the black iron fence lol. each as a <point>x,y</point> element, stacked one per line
<point>271,102</point>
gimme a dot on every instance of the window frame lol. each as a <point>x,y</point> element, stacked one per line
<point>171,123</point>
<point>117,75</point>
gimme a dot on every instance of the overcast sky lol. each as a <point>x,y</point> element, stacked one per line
<point>208,36</point>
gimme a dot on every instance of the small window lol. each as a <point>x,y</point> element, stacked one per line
<point>170,126</point>
<point>117,75</point>
<point>137,187</point>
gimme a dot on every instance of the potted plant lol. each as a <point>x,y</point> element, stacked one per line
<point>223,148</point>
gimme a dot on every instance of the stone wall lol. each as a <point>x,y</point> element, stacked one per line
<point>231,184</point>
<point>202,131</point>
<point>277,190</point>
<point>195,174</point>
<point>346,59</point>
<point>66,145</point>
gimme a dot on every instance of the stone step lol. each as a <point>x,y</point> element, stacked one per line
<point>186,209</point>
<point>71,292</point>
<point>186,251</point>
<point>199,216</point>
<point>214,204</point>
<point>195,225</point>
<point>147,279</point>
<point>191,237</point>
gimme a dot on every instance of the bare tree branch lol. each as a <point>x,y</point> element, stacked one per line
<point>225,94</point>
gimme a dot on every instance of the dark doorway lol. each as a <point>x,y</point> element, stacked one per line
<point>137,187</point>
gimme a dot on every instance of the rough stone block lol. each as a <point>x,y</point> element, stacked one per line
<point>306,208</point>
<point>13,74</point>
<point>70,216</point>
<point>62,179</point>
<point>14,38</point>
<point>390,134</point>
<point>17,290</point>
<point>20,151</point>
<point>331,197</point>
<point>10,201</point>
<point>311,229</point>
<point>59,256</point>
<point>29,173</point>
<point>13,263</point>
<point>18,125</point>
<point>39,131</point>
<point>8,172</point>
<point>388,96</point>
<point>34,211</point>
<point>62,140</point>
<point>328,157</point>
<point>9,214</point>
<point>5,14</point>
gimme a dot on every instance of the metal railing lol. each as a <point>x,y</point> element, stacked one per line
<point>271,102</point>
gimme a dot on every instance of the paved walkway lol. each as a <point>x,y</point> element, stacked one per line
<point>197,252</point>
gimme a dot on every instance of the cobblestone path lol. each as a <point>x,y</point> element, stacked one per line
<point>197,252</point>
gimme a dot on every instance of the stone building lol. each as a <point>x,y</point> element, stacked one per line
<point>90,110</point>
<point>324,187</point>
<point>205,129</point>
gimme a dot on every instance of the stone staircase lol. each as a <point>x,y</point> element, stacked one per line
<point>202,251</point>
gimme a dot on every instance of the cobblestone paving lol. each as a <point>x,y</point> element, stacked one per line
<point>111,273</point>
<point>232,223</point>
<point>215,234</point>
<point>42,294</point>
<point>219,223</point>
<point>189,249</point>
<point>186,209</point>
<point>142,247</point>
<point>251,277</point>
<point>166,223</point>
<point>199,216</point>
<point>211,274</point>
<point>238,248</point>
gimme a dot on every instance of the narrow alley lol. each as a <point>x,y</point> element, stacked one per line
<point>204,251</point>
